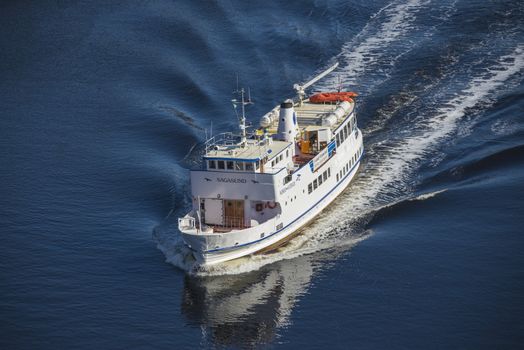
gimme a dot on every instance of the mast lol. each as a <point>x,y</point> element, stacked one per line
<point>242,118</point>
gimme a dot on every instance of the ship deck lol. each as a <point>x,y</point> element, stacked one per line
<point>311,114</point>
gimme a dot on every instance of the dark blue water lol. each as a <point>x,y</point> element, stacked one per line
<point>103,109</point>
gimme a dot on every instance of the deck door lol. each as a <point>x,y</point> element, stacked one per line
<point>233,213</point>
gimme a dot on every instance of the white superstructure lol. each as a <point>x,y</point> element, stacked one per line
<point>255,191</point>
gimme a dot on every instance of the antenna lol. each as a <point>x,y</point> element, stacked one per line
<point>242,118</point>
<point>300,89</point>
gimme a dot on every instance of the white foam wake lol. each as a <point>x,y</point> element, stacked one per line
<point>386,176</point>
<point>372,46</point>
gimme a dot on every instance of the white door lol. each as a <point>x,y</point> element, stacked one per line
<point>214,209</point>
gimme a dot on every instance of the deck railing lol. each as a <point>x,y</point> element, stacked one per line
<point>186,223</point>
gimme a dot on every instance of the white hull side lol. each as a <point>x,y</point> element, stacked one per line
<point>222,255</point>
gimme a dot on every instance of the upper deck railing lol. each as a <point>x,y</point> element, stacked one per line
<point>221,140</point>
<point>225,139</point>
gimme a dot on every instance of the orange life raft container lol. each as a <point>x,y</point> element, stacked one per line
<point>324,97</point>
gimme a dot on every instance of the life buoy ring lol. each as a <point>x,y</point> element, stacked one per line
<point>271,205</point>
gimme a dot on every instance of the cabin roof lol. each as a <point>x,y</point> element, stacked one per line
<point>253,150</point>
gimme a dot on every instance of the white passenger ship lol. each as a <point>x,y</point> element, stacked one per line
<point>255,190</point>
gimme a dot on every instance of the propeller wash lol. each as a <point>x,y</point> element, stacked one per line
<point>256,190</point>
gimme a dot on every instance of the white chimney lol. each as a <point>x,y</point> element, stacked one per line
<point>287,122</point>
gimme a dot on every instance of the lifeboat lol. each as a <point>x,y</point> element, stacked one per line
<point>328,97</point>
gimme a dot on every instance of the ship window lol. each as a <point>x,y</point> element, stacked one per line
<point>325,175</point>
<point>221,164</point>
<point>329,172</point>
<point>309,188</point>
<point>257,165</point>
<point>337,177</point>
<point>249,166</point>
<point>287,153</point>
<point>272,163</point>
<point>239,166</point>
<point>229,164</point>
<point>280,157</point>
<point>315,184</point>
<point>338,140</point>
<point>320,180</point>
<point>212,164</point>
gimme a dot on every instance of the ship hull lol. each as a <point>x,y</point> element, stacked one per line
<point>199,243</point>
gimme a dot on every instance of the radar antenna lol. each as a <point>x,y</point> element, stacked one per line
<point>300,89</point>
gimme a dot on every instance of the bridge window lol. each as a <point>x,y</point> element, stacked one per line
<point>221,164</point>
<point>249,166</point>
<point>212,164</point>
<point>229,164</point>
<point>239,166</point>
